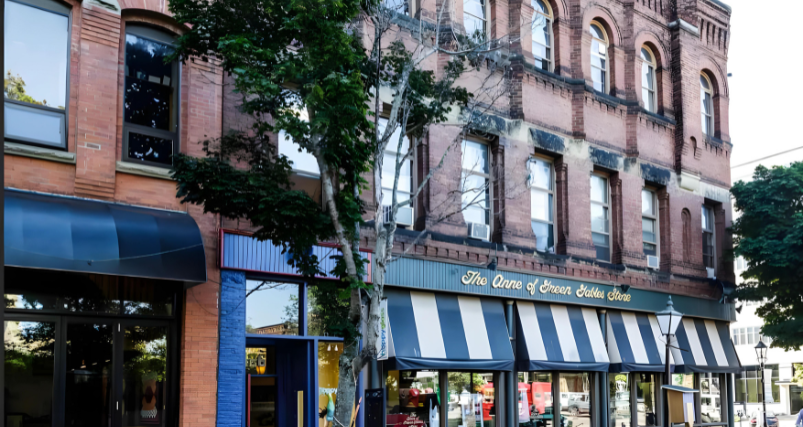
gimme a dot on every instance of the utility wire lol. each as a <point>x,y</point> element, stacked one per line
<point>768,157</point>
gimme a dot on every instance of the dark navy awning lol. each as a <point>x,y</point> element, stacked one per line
<point>635,343</point>
<point>69,234</point>
<point>704,345</point>
<point>447,331</point>
<point>559,337</point>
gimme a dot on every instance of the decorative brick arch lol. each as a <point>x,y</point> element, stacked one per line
<point>663,74</point>
<point>602,15</point>
<point>716,74</point>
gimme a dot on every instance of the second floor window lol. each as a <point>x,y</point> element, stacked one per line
<point>599,57</point>
<point>708,237</point>
<point>404,188</point>
<point>648,80</point>
<point>542,35</point>
<point>707,105</point>
<point>37,42</point>
<point>303,162</point>
<point>474,18</point>
<point>600,218</point>
<point>475,182</point>
<point>649,222</point>
<point>150,104</point>
<point>541,204</point>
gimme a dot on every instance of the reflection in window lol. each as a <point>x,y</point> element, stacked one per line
<point>535,399</point>
<point>541,206</point>
<point>646,388</point>
<point>649,222</point>
<point>144,376</point>
<point>475,182</point>
<point>29,362</point>
<point>412,398</point>
<point>575,398</point>
<point>600,221</point>
<point>685,380</point>
<point>648,80</point>
<point>599,57</point>
<point>404,187</point>
<point>471,399</point>
<point>474,18</point>
<point>710,403</point>
<point>89,356</point>
<point>328,374</point>
<point>707,105</point>
<point>619,397</point>
<point>303,161</point>
<point>542,35</point>
<point>708,237</point>
<point>260,360</point>
<point>272,308</point>
<point>35,73</point>
<point>150,105</point>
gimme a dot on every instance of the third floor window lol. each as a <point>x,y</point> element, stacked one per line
<point>474,19</point>
<point>600,217</point>
<point>648,80</point>
<point>599,57</point>
<point>476,187</point>
<point>709,254</point>
<point>707,105</point>
<point>542,35</point>
<point>541,204</point>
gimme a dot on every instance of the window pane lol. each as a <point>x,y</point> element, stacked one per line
<point>541,54</point>
<point>602,246</point>
<point>36,44</point>
<point>389,173</point>
<point>599,189</point>
<point>474,7</point>
<point>88,400</point>
<point>647,202</point>
<point>144,376</point>
<point>271,308</point>
<point>619,398</point>
<point>710,402</point>
<point>540,174</point>
<point>539,6</point>
<point>475,199</point>
<point>535,399</point>
<point>645,55</point>
<point>541,205</point>
<point>576,404</point>
<point>34,125</point>
<point>650,249</point>
<point>596,32</point>
<point>150,148</point>
<point>475,157</point>
<point>149,84</point>
<point>328,375</point>
<point>544,239</point>
<point>260,361</point>
<point>704,83</point>
<point>387,197</point>
<point>393,142</point>
<point>29,363</point>
<point>648,230</point>
<point>471,399</point>
<point>412,398</point>
<point>599,218</point>
<point>598,77</point>
<point>646,388</point>
<point>474,26</point>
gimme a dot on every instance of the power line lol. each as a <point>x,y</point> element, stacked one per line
<point>768,157</point>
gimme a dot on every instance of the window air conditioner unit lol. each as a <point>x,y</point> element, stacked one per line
<point>711,273</point>
<point>479,231</point>
<point>652,262</point>
<point>404,216</point>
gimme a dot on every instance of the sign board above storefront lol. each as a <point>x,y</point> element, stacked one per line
<point>447,277</point>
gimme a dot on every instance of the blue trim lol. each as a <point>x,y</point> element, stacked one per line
<point>454,337</point>
<point>637,367</point>
<point>420,363</point>
<point>648,338</point>
<point>549,333</point>
<point>685,349</point>
<point>727,344</point>
<point>705,343</point>
<point>580,331</point>
<point>496,326</point>
<point>402,323</point>
<point>543,365</point>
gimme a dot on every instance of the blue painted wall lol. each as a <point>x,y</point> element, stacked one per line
<point>231,357</point>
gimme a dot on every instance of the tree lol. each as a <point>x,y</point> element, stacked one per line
<point>302,67</point>
<point>769,235</point>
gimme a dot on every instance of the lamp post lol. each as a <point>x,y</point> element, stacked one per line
<point>668,321</point>
<point>761,354</point>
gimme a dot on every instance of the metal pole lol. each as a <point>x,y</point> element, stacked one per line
<point>763,394</point>
<point>667,381</point>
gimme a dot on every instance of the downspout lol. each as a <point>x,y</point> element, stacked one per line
<point>603,386</point>
<point>511,398</point>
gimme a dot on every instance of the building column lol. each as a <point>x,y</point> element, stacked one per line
<point>231,356</point>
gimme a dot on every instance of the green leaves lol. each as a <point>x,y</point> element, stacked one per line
<point>769,235</point>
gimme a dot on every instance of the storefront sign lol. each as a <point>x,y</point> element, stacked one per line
<point>384,328</point>
<point>474,278</point>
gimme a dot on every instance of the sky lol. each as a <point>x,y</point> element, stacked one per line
<point>765,93</point>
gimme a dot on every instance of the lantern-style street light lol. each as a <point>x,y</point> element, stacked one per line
<point>668,321</point>
<point>761,354</point>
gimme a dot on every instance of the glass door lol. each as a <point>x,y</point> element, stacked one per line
<point>30,360</point>
<point>89,371</point>
<point>144,375</point>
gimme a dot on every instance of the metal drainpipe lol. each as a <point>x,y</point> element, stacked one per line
<point>511,401</point>
<point>604,416</point>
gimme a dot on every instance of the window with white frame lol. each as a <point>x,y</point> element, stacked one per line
<point>303,162</point>
<point>599,57</point>
<point>600,218</point>
<point>398,6</point>
<point>709,251</point>
<point>36,72</point>
<point>474,19</point>
<point>541,204</point>
<point>542,35</point>
<point>475,183</point>
<point>649,222</point>
<point>404,188</point>
<point>707,104</point>
<point>648,80</point>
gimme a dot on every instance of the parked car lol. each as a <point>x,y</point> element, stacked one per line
<point>757,419</point>
<point>579,403</point>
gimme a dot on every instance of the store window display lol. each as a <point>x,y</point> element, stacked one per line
<point>328,376</point>
<point>471,400</point>
<point>413,398</point>
<point>535,399</point>
<point>710,403</point>
<point>575,399</point>
<point>646,389</point>
<point>619,398</point>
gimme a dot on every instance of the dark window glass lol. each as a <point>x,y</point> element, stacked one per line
<point>29,358</point>
<point>144,376</point>
<point>413,397</point>
<point>35,74</point>
<point>89,375</point>
<point>149,83</point>
<point>150,148</point>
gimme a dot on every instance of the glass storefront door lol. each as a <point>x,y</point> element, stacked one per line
<point>89,370</point>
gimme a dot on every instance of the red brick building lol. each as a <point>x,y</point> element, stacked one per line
<point>608,163</point>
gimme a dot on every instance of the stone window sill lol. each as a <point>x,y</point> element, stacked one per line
<point>35,152</point>
<point>143,170</point>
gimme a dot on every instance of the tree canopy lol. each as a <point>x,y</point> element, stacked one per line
<point>769,235</point>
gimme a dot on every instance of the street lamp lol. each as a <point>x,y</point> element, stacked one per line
<point>668,321</point>
<point>761,354</point>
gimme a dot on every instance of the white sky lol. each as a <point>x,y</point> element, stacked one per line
<point>765,93</point>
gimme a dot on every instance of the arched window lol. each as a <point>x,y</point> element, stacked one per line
<point>707,104</point>
<point>542,35</point>
<point>474,18</point>
<point>648,80</point>
<point>599,57</point>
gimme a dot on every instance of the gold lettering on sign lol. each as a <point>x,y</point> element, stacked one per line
<point>549,288</point>
<point>615,295</point>
<point>473,278</point>
<point>546,287</point>
<point>501,282</point>
<point>586,292</point>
